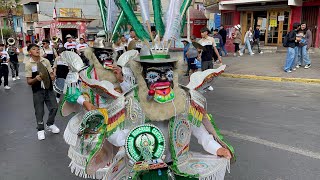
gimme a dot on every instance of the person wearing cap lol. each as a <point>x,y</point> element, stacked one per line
<point>48,52</point>
<point>209,49</point>
<point>236,36</point>
<point>70,45</point>
<point>41,94</point>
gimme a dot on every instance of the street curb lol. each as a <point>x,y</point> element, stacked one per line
<point>270,78</point>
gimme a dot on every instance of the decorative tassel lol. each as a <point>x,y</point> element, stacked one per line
<point>112,15</point>
<point>173,20</point>
<point>103,12</point>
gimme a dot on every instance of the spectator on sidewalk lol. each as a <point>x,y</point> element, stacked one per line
<point>209,49</point>
<point>185,58</point>
<point>14,61</point>
<point>223,34</point>
<point>237,40</point>
<point>292,43</point>
<point>218,40</point>
<point>303,55</point>
<point>256,38</point>
<point>192,54</point>
<point>248,40</point>
<point>41,95</point>
<point>4,67</point>
<point>25,52</point>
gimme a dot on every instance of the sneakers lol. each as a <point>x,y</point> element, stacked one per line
<point>210,88</point>
<point>41,135</point>
<point>241,54</point>
<point>261,52</point>
<point>13,79</point>
<point>7,87</point>
<point>293,69</point>
<point>288,71</point>
<point>252,53</point>
<point>298,66</point>
<point>53,128</point>
<point>307,66</point>
<point>17,77</point>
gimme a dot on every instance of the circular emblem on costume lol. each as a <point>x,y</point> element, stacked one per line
<point>181,133</point>
<point>145,142</point>
<point>92,121</point>
<point>198,166</point>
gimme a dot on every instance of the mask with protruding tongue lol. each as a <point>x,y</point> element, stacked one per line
<point>162,92</point>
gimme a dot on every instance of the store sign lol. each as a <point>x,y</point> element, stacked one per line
<point>280,18</point>
<point>273,19</point>
<point>70,12</point>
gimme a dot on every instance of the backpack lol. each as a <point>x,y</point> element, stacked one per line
<point>285,41</point>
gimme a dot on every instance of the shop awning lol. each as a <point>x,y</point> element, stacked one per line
<point>67,26</point>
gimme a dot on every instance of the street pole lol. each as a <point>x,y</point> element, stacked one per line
<point>1,33</point>
<point>188,25</point>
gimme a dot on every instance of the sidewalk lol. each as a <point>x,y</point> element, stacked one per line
<point>268,67</point>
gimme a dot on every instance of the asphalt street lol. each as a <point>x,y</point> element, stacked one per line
<point>274,128</point>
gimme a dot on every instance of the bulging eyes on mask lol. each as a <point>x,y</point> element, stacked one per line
<point>105,58</point>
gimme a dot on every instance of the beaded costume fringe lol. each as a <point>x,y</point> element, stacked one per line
<point>77,157</point>
<point>80,171</point>
<point>219,175</point>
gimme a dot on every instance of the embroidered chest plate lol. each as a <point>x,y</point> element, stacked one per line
<point>145,143</point>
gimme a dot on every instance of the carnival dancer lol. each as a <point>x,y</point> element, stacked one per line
<point>48,52</point>
<point>102,72</point>
<point>70,45</point>
<point>4,66</point>
<point>14,61</point>
<point>39,76</point>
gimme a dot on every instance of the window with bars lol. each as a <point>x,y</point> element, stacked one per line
<point>227,18</point>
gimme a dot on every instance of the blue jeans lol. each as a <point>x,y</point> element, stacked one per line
<point>248,45</point>
<point>303,56</point>
<point>223,49</point>
<point>291,58</point>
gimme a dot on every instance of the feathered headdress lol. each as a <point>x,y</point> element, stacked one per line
<point>166,32</point>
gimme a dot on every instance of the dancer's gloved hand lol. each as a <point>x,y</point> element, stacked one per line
<point>223,152</point>
<point>118,73</point>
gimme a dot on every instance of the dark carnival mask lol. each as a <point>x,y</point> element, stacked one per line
<point>105,57</point>
<point>159,79</point>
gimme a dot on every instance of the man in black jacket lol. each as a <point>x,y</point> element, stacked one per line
<point>293,43</point>
<point>223,34</point>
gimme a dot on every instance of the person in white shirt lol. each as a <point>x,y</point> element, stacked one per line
<point>81,46</point>
<point>4,66</point>
<point>48,52</point>
<point>70,45</point>
<point>80,50</point>
<point>25,52</point>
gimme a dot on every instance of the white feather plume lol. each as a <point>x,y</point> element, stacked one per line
<point>145,12</point>
<point>112,14</point>
<point>173,19</point>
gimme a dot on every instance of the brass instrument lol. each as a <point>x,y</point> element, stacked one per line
<point>54,39</point>
<point>11,50</point>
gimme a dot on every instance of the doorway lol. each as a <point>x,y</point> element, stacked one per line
<point>277,26</point>
<point>47,33</point>
<point>310,16</point>
<point>65,32</point>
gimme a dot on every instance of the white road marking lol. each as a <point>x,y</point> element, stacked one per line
<point>284,147</point>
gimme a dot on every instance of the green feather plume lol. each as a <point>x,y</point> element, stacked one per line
<point>132,18</point>
<point>103,11</point>
<point>184,7</point>
<point>156,4</point>
<point>119,26</point>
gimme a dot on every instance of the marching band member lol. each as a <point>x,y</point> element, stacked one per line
<point>48,52</point>
<point>14,62</point>
<point>70,45</point>
<point>4,66</point>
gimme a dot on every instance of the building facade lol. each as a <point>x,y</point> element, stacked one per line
<point>275,17</point>
<point>70,17</point>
